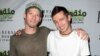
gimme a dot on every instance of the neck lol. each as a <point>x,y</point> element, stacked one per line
<point>29,30</point>
<point>67,32</point>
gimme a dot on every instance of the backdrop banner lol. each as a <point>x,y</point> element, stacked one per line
<point>85,14</point>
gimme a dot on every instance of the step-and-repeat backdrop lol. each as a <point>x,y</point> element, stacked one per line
<point>85,14</point>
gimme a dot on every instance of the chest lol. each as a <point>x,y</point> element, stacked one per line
<point>30,45</point>
<point>65,47</point>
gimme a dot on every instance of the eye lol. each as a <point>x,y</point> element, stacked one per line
<point>38,15</point>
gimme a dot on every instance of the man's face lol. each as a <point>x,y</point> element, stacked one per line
<point>32,17</point>
<point>62,21</point>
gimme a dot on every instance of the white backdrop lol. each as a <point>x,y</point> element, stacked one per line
<point>86,15</point>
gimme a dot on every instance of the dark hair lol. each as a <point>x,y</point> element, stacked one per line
<point>41,11</point>
<point>58,9</point>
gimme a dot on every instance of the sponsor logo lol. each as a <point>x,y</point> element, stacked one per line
<point>47,15</point>
<point>5,35</point>
<point>4,53</point>
<point>78,16</point>
<point>6,14</point>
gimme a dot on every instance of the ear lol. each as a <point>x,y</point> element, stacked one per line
<point>40,20</point>
<point>69,18</point>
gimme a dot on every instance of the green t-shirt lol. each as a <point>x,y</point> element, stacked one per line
<point>30,45</point>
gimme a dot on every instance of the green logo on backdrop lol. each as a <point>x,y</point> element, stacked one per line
<point>78,16</point>
<point>6,14</point>
<point>4,53</point>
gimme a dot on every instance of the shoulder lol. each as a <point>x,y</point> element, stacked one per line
<point>53,33</point>
<point>45,29</point>
<point>75,35</point>
<point>52,36</point>
<point>14,37</point>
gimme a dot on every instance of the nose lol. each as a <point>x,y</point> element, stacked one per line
<point>33,16</point>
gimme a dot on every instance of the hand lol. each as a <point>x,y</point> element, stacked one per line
<point>82,33</point>
<point>18,33</point>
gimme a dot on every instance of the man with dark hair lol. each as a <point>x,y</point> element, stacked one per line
<point>65,41</point>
